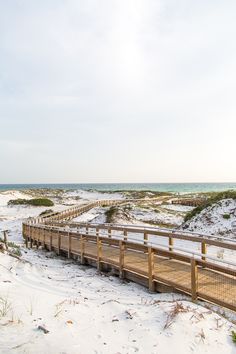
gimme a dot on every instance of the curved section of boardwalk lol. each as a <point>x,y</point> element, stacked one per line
<point>135,253</point>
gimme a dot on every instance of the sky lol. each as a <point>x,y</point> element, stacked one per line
<point>117,91</point>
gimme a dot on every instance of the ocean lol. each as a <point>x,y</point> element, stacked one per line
<point>161,187</point>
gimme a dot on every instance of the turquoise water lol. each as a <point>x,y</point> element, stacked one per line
<point>162,187</point>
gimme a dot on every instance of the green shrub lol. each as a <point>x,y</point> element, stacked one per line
<point>45,212</point>
<point>216,197</point>
<point>14,248</point>
<point>35,202</point>
<point>193,213</point>
<point>16,251</point>
<point>226,216</point>
<point>110,214</point>
<point>233,335</point>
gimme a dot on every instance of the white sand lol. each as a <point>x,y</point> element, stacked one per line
<point>211,221</point>
<point>90,313</point>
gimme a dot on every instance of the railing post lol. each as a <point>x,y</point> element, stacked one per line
<point>125,235</point>
<point>31,240</point>
<point>27,241</point>
<point>151,269</point>
<point>203,250</point>
<point>194,277</point>
<point>82,249</point>
<point>122,258</point>
<point>99,253</point>
<point>44,243</point>
<point>37,238</point>
<point>25,236</point>
<point>5,238</point>
<point>23,229</point>
<point>145,238</point>
<point>50,244</point>
<point>109,232</point>
<point>58,243</point>
<point>69,245</point>
<point>171,243</point>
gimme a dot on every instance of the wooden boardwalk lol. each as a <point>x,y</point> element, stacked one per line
<point>159,268</point>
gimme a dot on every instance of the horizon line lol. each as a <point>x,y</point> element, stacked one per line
<point>48,183</point>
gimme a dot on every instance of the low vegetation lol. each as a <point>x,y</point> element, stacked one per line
<point>233,334</point>
<point>34,202</point>
<point>44,192</point>
<point>14,249</point>
<point>46,212</point>
<point>160,224</point>
<point>134,194</point>
<point>11,247</point>
<point>215,197</point>
<point>115,213</point>
<point>145,194</point>
<point>110,214</point>
<point>175,311</point>
<point>5,306</point>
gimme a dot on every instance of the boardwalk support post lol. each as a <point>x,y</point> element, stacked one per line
<point>44,243</point>
<point>5,238</point>
<point>151,269</point>
<point>30,237</point>
<point>25,235</point>
<point>194,279</point>
<point>37,238</point>
<point>59,243</point>
<point>50,245</point>
<point>99,253</point>
<point>122,258</point>
<point>69,245</point>
<point>82,249</point>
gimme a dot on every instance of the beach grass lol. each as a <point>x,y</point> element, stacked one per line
<point>34,202</point>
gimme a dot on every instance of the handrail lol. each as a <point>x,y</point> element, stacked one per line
<point>229,244</point>
<point>43,230</point>
<point>169,233</point>
<point>152,244</point>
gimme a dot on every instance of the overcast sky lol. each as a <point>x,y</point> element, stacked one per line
<point>117,91</point>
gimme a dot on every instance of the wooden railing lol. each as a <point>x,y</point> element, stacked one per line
<point>143,259</point>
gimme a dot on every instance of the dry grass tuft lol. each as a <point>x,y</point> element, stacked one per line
<point>176,309</point>
<point>5,306</point>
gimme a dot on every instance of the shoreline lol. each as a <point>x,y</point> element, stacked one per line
<point>162,188</point>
